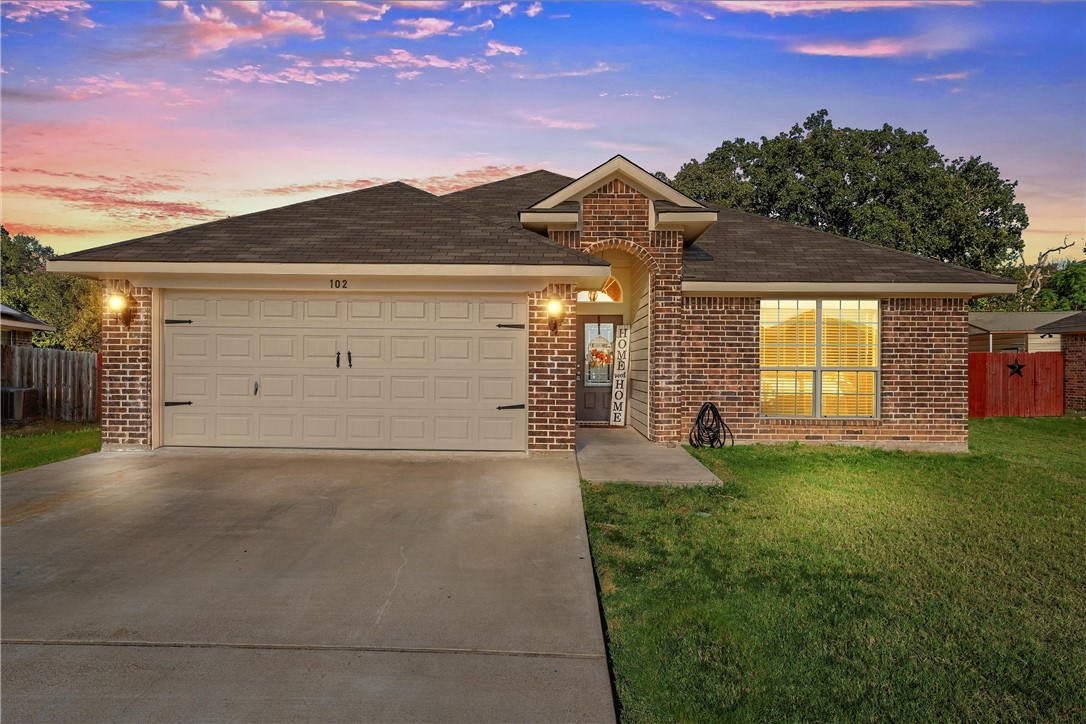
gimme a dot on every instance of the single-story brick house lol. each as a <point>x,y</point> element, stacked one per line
<point>484,319</point>
<point>1072,333</point>
<point>17,328</point>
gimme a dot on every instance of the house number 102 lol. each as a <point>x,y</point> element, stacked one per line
<point>337,283</point>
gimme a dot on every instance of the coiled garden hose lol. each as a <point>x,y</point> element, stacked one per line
<point>709,428</point>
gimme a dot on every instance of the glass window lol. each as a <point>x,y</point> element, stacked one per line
<point>819,358</point>
<point>599,361</point>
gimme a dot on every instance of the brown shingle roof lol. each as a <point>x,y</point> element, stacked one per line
<point>742,247</point>
<point>1014,321</point>
<point>501,200</point>
<point>1075,323</point>
<point>389,224</point>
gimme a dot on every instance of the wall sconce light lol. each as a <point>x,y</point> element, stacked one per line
<point>124,306</point>
<point>556,311</point>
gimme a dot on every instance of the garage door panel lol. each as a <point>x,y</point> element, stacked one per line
<point>321,389</point>
<point>422,373</point>
<point>234,428</point>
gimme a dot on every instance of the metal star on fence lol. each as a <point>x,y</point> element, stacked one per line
<point>1016,368</point>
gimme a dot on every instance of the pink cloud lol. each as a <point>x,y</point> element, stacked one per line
<point>506,9</point>
<point>434,184</point>
<point>599,67</point>
<point>534,9</point>
<point>363,12</point>
<point>348,63</point>
<point>124,203</point>
<point>560,124</point>
<point>881,47</point>
<point>219,26</point>
<point>99,86</point>
<point>300,72</point>
<point>21,11</point>
<point>495,48</point>
<point>404,60</point>
<point>39,230</point>
<point>421,28</point>
<point>811,7</point>
<point>424,4</point>
<point>959,75</point>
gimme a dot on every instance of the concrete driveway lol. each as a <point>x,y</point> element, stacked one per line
<point>274,586</point>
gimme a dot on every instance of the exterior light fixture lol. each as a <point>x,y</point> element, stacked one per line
<point>556,312</point>
<point>124,306</point>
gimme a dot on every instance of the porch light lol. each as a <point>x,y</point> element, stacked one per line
<point>556,311</point>
<point>124,306</point>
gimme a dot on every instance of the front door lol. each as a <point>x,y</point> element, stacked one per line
<point>595,365</point>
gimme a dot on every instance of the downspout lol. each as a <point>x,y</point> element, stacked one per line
<point>989,341</point>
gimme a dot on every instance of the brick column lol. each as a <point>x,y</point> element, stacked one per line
<point>126,371</point>
<point>552,372</point>
<point>1074,371</point>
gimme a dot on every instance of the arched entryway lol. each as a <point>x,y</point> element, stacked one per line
<point>625,300</point>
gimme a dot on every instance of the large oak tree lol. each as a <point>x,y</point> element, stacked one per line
<point>886,185</point>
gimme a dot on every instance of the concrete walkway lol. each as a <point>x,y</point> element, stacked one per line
<point>607,455</point>
<point>249,585</point>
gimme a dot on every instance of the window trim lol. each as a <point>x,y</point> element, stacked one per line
<point>817,369</point>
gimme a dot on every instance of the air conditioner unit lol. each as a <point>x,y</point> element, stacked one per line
<point>11,403</point>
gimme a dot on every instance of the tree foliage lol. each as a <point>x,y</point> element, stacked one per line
<point>887,185</point>
<point>72,304</point>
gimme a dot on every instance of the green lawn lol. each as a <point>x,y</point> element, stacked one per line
<point>828,583</point>
<point>46,442</point>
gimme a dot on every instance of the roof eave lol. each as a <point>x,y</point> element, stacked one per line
<point>374,277</point>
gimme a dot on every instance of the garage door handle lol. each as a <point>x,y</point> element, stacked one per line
<point>349,364</point>
<point>337,360</point>
<point>511,407</point>
<point>175,404</point>
<point>256,387</point>
<point>510,326</point>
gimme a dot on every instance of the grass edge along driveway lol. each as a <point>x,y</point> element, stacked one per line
<point>833,583</point>
<point>46,442</point>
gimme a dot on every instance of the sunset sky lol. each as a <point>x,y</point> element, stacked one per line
<point>122,119</point>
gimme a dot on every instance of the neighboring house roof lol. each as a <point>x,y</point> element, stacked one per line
<point>14,319</point>
<point>1002,322</point>
<point>389,224</point>
<point>1074,323</point>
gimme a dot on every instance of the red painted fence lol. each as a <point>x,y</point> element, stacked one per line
<point>995,391</point>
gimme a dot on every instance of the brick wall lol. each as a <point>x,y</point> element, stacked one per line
<point>924,375</point>
<point>126,371</point>
<point>616,216</point>
<point>552,372</point>
<point>1074,371</point>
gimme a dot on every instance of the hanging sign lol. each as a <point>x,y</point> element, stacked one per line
<point>618,380</point>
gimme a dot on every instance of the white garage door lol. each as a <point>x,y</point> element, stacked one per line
<point>379,372</point>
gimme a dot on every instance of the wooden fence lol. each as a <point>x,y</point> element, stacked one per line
<point>67,382</point>
<point>996,390</point>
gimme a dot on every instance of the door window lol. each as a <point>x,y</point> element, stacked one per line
<point>599,361</point>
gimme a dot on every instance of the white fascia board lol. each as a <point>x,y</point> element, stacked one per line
<point>361,277</point>
<point>549,218</point>
<point>16,324</point>
<point>839,289</point>
<point>681,217</point>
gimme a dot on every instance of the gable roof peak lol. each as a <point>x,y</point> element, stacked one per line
<point>622,168</point>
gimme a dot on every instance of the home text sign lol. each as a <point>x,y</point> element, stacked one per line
<point>618,380</point>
